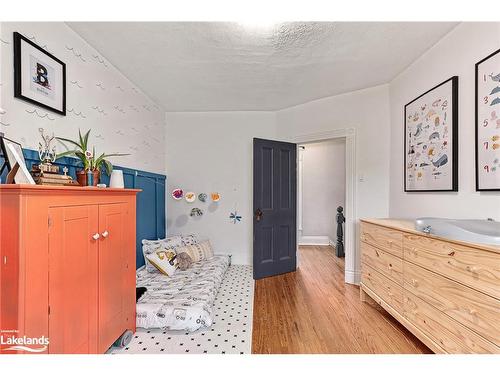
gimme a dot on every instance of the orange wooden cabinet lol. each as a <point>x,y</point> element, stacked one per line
<point>67,266</point>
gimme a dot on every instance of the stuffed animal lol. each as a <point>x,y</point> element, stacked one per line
<point>184,261</point>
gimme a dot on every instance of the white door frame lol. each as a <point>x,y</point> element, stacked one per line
<point>352,272</point>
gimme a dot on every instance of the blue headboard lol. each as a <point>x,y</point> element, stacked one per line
<point>150,223</point>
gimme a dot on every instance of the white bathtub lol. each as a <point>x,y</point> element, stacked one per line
<point>476,231</point>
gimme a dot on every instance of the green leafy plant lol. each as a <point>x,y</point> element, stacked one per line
<point>81,148</point>
<point>89,161</point>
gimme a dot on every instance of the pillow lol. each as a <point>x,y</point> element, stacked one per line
<point>164,260</point>
<point>198,252</point>
<point>189,239</point>
<point>184,261</point>
<point>149,247</point>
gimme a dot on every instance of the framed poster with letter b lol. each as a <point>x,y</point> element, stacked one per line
<point>39,76</point>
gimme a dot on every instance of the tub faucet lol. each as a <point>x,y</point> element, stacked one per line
<point>427,229</point>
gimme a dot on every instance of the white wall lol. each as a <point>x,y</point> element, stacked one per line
<point>323,187</point>
<point>130,121</point>
<point>367,111</point>
<point>455,54</point>
<point>212,151</point>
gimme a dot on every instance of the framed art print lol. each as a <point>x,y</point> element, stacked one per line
<point>431,140</point>
<point>488,123</point>
<point>12,153</point>
<point>39,77</point>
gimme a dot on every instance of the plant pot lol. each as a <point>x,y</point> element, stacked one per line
<point>97,177</point>
<point>81,177</point>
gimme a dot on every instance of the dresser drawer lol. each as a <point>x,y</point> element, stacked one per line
<point>383,238</point>
<point>450,335</point>
<point>386,263</point>
<point>475,310</point>
<point>479,269</point>
<point>387,290</point>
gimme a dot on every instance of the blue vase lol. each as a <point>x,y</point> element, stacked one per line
<point>90,178</point>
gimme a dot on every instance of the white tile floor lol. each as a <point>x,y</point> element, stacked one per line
<point>231,332</point>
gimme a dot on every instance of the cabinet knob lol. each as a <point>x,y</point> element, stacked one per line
<point>105,234</point>
<point>471,269</point>
<point>96,236</point>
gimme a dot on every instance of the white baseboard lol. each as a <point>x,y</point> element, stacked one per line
<point>352,277</point>
<point>314,240</point>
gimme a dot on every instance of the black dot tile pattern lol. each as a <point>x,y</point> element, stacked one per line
<point>230,333</point>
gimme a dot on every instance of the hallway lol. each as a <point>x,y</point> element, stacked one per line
<point>314,311</point>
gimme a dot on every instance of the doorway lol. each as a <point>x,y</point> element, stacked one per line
<point>269,250</point>
<point>321,190</point>
<point>348,135</point>
<point>321,193</point>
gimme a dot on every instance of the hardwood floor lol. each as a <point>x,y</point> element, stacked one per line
<point>312,310</point>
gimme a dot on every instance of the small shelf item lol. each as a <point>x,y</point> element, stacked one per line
<point>177,194</point>
<point>215,196</point>
<point>202,197</point>
<point>12,153</point>
<point>190,197</point>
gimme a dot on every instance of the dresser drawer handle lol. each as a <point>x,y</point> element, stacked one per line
<point>96,236</point>
<point>471,269</point>
<point>473,312</point>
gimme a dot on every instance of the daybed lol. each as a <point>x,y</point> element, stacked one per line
<point>183,301</point>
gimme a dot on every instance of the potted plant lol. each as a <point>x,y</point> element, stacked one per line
<point>89,161</point>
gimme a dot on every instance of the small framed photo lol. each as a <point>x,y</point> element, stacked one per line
<point>431,140</point>
<point>12,153</point>
<point>39,77</point>
<point>488,123</point>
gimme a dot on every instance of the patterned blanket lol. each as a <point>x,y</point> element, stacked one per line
<point>183,301</point>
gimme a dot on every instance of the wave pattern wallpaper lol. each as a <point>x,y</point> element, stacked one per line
<point>99,97</point>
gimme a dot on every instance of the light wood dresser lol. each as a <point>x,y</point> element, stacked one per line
<point>447,293</point>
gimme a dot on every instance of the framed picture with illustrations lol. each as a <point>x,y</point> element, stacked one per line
<point>431,140</point>
<point>39,76</point>
<point>488,123</point>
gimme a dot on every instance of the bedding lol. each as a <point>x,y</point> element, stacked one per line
<point>183,301</point>
<point>198,252</point>
<point>164,260</point>
<point>150,246</point>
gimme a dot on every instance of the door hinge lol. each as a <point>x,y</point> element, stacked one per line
<point>49,309</point>
<point>49,222</point>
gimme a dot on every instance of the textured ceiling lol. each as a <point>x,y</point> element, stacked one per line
<point>216,66</point>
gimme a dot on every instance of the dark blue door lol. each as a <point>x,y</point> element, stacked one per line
<point>275,207</point>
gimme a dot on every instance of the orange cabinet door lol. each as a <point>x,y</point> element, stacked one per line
<point>112,273</point>
<point>73,302</point>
